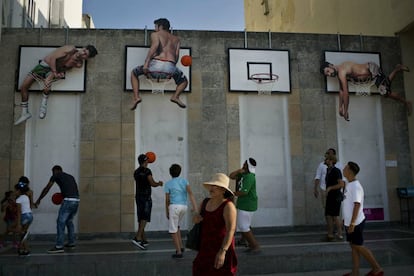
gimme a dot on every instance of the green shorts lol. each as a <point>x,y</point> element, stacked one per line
<point>42,70</point>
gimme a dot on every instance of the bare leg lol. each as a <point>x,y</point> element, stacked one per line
<point>398,68</point>
<point>329,223</point>
<point>176,97</point>
<point>355,260</point>
<point>177,241</point>
<point>179,238</point>
<point>338,224</point>
<point>367,254</point>
<point>24,89</point>
<point>395,96</point>
<point>251,240</point>
<point>135,88</point>
<point>140,233</point>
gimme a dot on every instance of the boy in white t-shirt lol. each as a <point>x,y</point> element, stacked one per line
<point>176,191</point>
<point>354,221</point>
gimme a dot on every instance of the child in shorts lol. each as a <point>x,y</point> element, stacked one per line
<point>24,215</point>
<point>176,191</point>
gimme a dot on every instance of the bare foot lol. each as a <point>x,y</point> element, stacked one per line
<point>178,102</point>
<point>346,116</point>
<point>403,68</point>
<point>341,112</point>
<point>136,102</point>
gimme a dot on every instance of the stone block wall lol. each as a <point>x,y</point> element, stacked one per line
<point>107,146</point>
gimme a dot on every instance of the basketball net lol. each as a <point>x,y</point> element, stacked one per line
<point>362,88</point>
<point>158,83</point>
<point>264,83</point>
<point>42,81</point>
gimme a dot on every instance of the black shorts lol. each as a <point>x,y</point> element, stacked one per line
<point>144,207</point>
<point>332,206</point>
<point>356,237</point>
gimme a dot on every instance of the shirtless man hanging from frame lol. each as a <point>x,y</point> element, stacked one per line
<point>162,58</point>
<point>52,68</point>
<point>354,72</point>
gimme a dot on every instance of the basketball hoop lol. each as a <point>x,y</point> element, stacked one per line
<point>264,82</point>
<point>158,81</point>
<point>362,88</point>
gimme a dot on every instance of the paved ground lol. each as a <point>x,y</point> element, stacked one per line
<point>285,251</point>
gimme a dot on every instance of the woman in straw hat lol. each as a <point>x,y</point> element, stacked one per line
<point>217,255</point>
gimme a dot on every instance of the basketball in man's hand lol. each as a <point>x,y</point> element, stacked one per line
<point>57,198</point>
<point>151,156</point>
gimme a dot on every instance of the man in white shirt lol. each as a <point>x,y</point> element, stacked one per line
<point>354,221</point>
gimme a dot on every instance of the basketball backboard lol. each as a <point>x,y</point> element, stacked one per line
<point>30,56</point>
<point>244,63</point>
<point>336,58</point>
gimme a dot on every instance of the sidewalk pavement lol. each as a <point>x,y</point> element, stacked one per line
<point>285,251</point>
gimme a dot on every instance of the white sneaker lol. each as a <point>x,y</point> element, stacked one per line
<point>42,111</point>
<point>23,118</point>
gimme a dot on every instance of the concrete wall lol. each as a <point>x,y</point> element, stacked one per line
<point>368,17</point>
<point>107,153</point>
<point>407,46</point>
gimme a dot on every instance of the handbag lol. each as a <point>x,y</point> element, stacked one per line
<point>194,235</point>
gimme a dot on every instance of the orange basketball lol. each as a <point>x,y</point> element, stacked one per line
<point>151,156</point>
<point>57,198</point>
<point>186,60</point>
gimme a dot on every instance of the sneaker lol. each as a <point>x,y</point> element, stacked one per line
<point>42,111</point>
<point>138,243</point>
<point>70,246</point>
<point>339,237</point>
<point>54,250</point>
<point>26,234</point>
<point>177,256</point>
<point>24,253</point>
<point>145,243</point>
<point>23,118</point>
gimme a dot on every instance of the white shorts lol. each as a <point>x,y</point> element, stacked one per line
<point>176,213</point>
<point>244,220</point>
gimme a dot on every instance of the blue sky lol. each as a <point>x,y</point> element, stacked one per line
<point>226,15</point>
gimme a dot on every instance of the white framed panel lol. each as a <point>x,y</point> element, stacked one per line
<point>30,56</point>
<point>135,56</point>
<point>362,141</point>
<point>243,63</point>
<point>336,58</point>
<point>51,141</point>
<point>267,141</point>
<point>165,134</point>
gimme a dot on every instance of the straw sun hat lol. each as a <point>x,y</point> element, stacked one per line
<point>220,180</point>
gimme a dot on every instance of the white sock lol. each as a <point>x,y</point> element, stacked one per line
<point>25,107</point>
<point>44,99</point>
